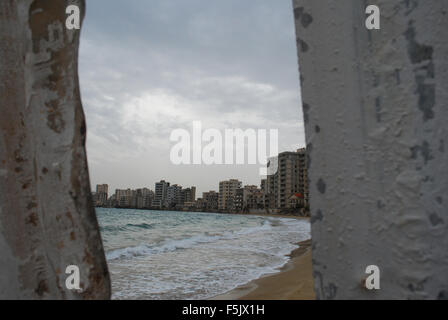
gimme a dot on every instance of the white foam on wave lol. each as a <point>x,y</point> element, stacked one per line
<point>205,264</point>
<point>172,245</point>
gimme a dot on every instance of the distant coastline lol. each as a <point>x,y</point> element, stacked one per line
<point>260,212</point>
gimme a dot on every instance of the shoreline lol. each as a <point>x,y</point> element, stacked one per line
<point>265,214</point>
<point>293,281</point>
<point>274,215</point>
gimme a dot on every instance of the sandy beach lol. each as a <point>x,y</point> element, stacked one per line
<point>294,281</point>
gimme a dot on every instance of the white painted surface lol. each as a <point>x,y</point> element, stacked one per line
<point>376,109</point>
<point>47,221</point>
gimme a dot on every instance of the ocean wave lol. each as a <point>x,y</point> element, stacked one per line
<point>125,227</point>
<point>112,228</point>
<point>172,245</point>
<point>143,249</point>
<point>140,225</point>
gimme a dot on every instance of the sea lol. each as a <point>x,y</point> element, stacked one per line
<point>192,255</point>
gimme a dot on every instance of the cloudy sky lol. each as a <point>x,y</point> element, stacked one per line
<point>148,67</point>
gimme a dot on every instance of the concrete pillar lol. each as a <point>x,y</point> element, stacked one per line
<point>47,221</point>
<point>376,110</point>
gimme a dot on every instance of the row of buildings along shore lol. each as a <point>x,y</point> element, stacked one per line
<point>284,190</point>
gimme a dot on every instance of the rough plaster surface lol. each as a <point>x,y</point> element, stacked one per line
<point>376,110</point>
<point>47,221</point>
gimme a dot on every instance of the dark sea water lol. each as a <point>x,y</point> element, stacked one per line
<point>188,255</point>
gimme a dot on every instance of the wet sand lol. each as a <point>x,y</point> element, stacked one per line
<point>294,281</point>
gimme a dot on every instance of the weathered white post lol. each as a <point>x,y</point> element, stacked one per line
<point>47,221</point>
<point>376,110</point>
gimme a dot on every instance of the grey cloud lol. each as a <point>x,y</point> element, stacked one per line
<point>147,67</point>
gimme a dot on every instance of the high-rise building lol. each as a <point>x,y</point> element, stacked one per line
<point>248,197</point>
<point>112,201</point>
<point>148,197</point>
<point>189,194</point>
<point>271,186</point>
<point>101,194</point>
<point>227,192</point>
<point>289,179</point>
<point>174,196</point>
<point>211,200</point>
<point>238,200</point>
<point>263,185</point>
<point>124,198</point>
<point>193,193</point>
<point>264,194</point>
<point>160,195</point>
<point>143,198</point>
<point>251,197</point>
<point>201,204</point>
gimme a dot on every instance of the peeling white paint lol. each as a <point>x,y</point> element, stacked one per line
<point>47,221</point>
<point>379,98</point>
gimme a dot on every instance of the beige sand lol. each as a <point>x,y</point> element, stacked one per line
<point>293,282</point>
